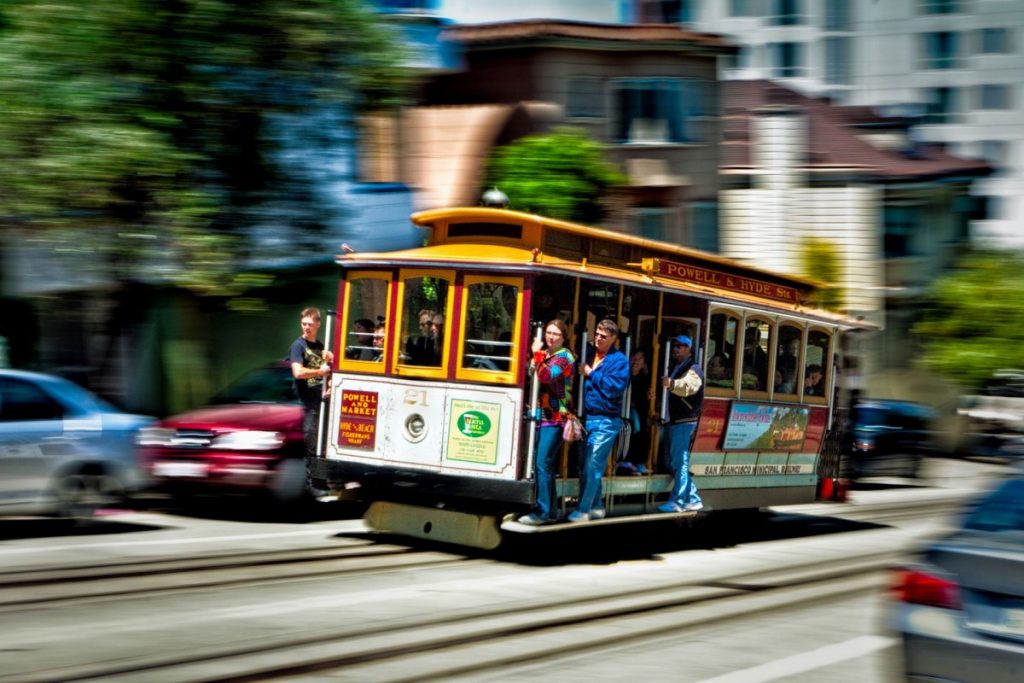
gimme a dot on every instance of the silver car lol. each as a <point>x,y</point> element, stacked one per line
<point>960,611</point>
<point>63,450</point>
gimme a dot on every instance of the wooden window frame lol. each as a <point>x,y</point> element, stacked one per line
<point>510,376</point>
<point>369,366</point>
<point>432,372</point>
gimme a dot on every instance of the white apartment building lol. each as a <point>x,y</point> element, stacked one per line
<point>959,64</point>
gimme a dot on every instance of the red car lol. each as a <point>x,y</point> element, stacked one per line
<point>249,439</point>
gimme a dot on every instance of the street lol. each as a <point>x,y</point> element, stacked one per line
<point>154,595</point>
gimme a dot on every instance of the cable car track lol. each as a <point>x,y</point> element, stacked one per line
<point>421,648</point>
<point>25,589</point>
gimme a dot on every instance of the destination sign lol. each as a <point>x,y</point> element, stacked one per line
<point>714,278</point>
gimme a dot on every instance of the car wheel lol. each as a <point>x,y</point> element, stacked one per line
<point>79,495</point>
<point>289,482</point>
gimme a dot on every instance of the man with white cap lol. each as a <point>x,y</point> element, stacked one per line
<point>685,399</point>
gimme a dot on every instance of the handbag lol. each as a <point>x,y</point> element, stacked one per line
<point>573,428</point>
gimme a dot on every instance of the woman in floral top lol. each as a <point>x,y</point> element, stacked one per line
<point>554,368</point>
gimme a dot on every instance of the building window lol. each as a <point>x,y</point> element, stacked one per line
<point>741,8</point>
<point>377,145</point>
<point>585,98</point>
<point>658,110</point>
<point>739,60</point>
<point>994,41</point>
<point>667,11</point>
<point>994,97</point>
<point>704,225</point>
<point>785,13</point>
<point>939,6</point>
<point>787,59</point>
<point>940,105</point>
<point>994,151</point>
<point>837,15</point>
<point>939,50</point>
<point>652,222</point>
<point>837,60</point>
<point>900,222</point>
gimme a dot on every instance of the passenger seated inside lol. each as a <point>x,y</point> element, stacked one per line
<point>785,384</point>
<point>425,349</point>
<point>755,361</point>
<point>379,333</point>
<point>719,374</point>
<point>814,381</point>
<point>360,340</point>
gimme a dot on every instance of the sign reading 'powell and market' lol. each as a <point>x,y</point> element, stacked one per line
<point>735,283</point>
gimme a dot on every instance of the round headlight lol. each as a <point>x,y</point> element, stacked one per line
<point>415,427</point>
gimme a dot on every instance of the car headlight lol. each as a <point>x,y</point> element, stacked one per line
<point>154,436</point>
<point>248,441</point>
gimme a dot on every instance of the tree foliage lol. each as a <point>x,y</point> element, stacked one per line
<point>145,129</point>
<point>972,326</point>
<point>562,175</point>
<point>819,261</point>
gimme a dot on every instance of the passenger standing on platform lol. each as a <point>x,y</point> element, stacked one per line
<point>606,377</point>
<point>554,371</point>
<point>685,399</point>
<point>310,365</point>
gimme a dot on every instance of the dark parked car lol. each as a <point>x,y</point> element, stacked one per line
<point>890,437</point>
<point>960,610</point>
<point>249,439</point>
<point>63,450</point>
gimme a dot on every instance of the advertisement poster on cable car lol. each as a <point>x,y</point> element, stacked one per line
<point>473,431</point>
<point>755,426</point>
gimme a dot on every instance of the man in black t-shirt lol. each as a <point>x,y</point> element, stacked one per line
<point>310,364</point>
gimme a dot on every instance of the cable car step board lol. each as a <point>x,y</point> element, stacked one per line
<point>434,524</point>
<point>510,523</point>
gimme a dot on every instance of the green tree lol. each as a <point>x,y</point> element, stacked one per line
<point>972,326</point>
<point>147,132</point>
<point>562,175</point>
<point>819,261</point>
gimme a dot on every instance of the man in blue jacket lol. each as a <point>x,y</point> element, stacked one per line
<point>605,378</point>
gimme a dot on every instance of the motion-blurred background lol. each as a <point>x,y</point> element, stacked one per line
<point>178,174</point>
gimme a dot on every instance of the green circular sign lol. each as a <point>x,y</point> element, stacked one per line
<point>474,424</point>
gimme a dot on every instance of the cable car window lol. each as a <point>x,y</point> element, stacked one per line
<point>757,340</point>
<point>490,321</point>
<point>364,316</point>
<point>787,358</point>
<point>721,367</point>
<point>423,324</point>
<point>816,363</point>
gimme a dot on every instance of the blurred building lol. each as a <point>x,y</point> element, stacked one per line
<point>797,169</point>
<point>649,93</point>
<point>957,66</point>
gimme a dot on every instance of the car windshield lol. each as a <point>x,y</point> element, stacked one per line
<point>1000,510</point>
<point>264,385</point>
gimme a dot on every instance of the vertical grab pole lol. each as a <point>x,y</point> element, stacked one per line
<point>531,447</point>
<point>323,397</point>
<point>664,391</point>
<point>583,361</point>
<point>627,400</point>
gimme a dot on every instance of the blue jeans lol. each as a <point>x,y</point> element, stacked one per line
<point>549,444</point>
<point>677,448</point>
<point>602,431</point>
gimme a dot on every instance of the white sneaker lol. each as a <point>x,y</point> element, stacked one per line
<point>577,516</point>
<point>693,507</point>
<point>598,513</point>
